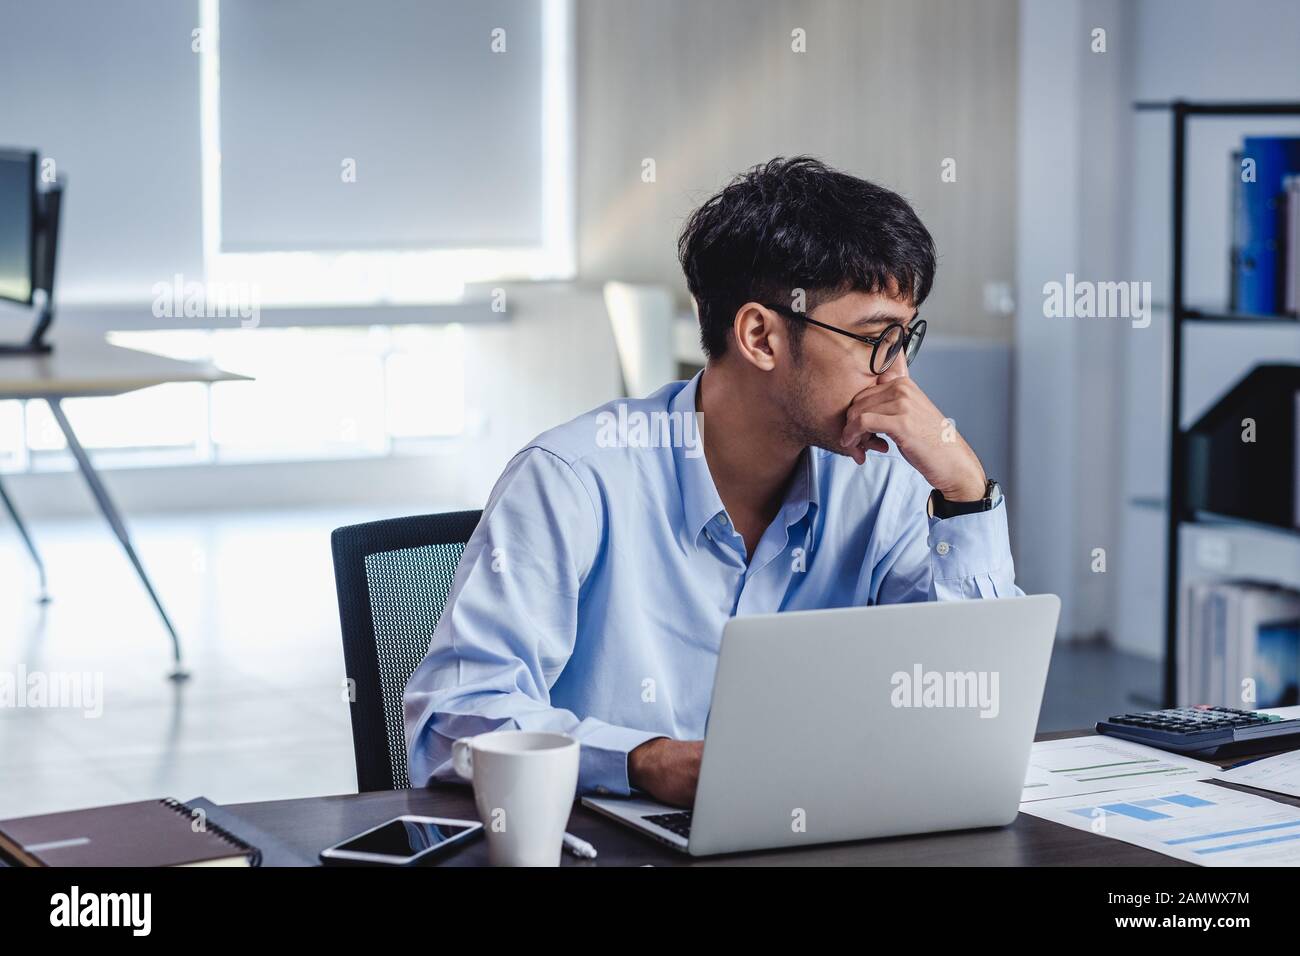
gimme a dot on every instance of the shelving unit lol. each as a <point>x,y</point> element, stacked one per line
<point>1178,515</point>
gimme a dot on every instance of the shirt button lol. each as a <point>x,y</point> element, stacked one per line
<point>943,547</point>
<point>602,789</point>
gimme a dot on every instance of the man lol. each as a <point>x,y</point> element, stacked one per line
<point>592,596</point>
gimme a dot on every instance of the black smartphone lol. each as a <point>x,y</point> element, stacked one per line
<point>403,841</point>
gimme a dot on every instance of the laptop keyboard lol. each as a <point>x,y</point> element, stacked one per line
<point>679,823</point>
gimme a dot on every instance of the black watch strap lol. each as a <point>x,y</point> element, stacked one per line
<point>941,507</point>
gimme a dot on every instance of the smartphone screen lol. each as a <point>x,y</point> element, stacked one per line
<point>403,838</point>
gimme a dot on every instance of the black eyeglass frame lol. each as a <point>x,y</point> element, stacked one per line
<point>917,328</point>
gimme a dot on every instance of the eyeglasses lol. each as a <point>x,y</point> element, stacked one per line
<point>894,339</point>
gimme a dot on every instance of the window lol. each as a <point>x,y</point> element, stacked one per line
<point>317,393</point>
<point>387,151</point>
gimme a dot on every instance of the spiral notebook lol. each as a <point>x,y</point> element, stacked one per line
<point>147,833</point>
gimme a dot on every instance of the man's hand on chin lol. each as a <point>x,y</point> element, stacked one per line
<point>667,769</point>
<point>899,409</point>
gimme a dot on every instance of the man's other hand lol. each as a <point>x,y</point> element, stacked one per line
<point>667,769</point>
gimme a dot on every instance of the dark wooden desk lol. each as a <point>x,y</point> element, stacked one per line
<point>309,825</point>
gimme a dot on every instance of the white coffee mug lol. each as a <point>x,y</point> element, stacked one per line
<point>524,785</point>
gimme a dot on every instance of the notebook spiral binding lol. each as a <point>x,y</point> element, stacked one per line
<point>254,854</point>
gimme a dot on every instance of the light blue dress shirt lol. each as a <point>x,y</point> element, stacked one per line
<point>592,596</point>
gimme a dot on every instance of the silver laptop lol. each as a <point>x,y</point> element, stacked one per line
<point>854,723</point>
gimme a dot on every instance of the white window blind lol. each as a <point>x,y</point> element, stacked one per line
<point>444,133</point>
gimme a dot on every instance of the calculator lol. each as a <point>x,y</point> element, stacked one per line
<point>1205,730</point>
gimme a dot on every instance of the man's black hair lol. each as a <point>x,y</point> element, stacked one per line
<point>796,223</point>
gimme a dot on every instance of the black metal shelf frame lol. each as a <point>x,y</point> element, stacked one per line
<point>1181,112</point>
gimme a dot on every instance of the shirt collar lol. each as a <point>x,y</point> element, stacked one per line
<point>700,500</point>
<point>804,495</point>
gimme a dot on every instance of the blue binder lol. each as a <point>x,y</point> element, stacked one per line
<point>1260,227</point>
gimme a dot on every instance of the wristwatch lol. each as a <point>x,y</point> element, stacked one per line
<point>941,507</point>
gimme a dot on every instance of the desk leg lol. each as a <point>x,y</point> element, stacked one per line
<point>27,540</point>
<point>114,519</point>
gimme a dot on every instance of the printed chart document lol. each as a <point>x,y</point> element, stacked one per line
<point>1078,765</point>
<point>1281,774</point>
<point>1197,822</point>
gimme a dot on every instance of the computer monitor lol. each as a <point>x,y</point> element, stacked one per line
<point>18,226</point>
<point>29,238</point>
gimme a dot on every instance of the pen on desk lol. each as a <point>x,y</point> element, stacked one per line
<point>579,847</point>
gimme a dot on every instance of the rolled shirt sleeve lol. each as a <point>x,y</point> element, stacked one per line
<point>509,628</point>
<point>947,559</point>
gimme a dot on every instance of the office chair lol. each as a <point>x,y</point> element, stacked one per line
<point>392,577</point>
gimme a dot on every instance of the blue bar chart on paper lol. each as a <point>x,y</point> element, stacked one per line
<point>1198,822</point>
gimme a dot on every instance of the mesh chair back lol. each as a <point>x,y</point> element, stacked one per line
<point>393,578</point>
